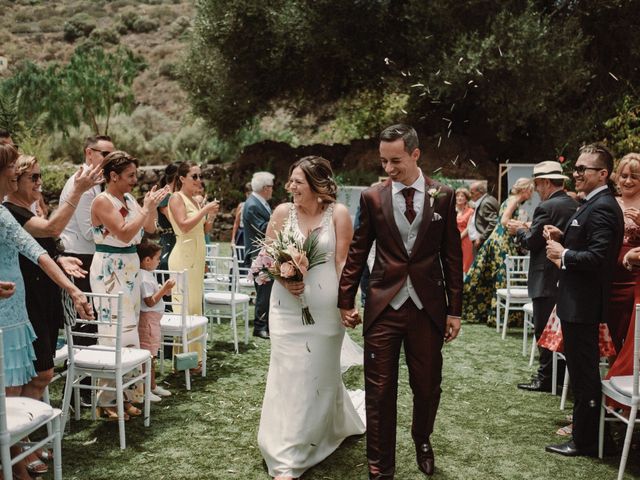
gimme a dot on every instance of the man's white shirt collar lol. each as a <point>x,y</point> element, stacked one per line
<point>419,185</point>
<point>595,192</point>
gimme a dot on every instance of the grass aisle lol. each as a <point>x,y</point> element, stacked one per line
<point>486,428</point>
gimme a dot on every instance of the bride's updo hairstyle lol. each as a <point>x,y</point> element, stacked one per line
<point>319,175</point>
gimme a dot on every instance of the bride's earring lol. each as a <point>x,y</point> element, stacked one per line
<point>319,200</point>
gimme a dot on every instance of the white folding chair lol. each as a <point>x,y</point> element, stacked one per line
<point>21,416</point>
<point>106,360</point>
<point>626,391</point>
<point>244,283</point>
<point>554,378</point>
<point>211,249</point>
<point>515,295</point>
<point>178,328</point>
<point>221,291</point>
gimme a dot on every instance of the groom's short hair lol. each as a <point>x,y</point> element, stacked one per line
<point>406,132</point>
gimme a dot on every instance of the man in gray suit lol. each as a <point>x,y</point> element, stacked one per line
<point>484,217</point>
<point>555,209</point>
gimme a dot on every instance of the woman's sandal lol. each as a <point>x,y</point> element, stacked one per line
<point>565,431</point>
<point>110,413</point>
<point>131,410</point>
<point>36,467</point>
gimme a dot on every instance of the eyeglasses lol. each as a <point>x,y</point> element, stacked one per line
<point>35,177</point>
<point>197,176</point>
<point>579,170</point>
<point>104,153</point>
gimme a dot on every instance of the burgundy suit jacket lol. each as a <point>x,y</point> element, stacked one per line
<point>435,263</point>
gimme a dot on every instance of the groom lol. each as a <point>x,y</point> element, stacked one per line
<point>414,298</point>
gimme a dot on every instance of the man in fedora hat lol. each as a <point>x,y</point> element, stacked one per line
<point>555,209</point>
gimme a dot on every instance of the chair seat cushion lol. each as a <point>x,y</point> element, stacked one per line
<point>102,357</point>
<point>513,292</point>
<point>172,322</point>
<point>23,413</point>
<point>245,282</point>
<point>622,384</point>
<point>528,308</point>
<point>225,298</point>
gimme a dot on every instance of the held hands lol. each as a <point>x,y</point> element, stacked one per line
<point>72,266</point>
<point>7,289</point>
<point>350,317</point>
<point>88,178</point>
<point>451,329</point>
<point>631,260</point>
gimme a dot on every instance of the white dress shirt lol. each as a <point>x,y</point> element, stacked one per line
<point>418,196</point>
<point>264,203</point>
<point>77,236</point>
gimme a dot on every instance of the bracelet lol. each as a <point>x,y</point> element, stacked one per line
<point>74,206</point>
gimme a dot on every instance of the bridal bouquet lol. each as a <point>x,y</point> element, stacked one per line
<point>288,258</point>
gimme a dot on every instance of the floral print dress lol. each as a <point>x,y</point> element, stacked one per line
<point>118,272</point>
<point>488,273</point>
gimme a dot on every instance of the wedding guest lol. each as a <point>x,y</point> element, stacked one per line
<point>488,272</point>
<point>43,299</point>
<point>485,214</point>
<point>586,254</point>
<point>622,304</point>
<point>152,309</point>
<point>190,222</point>
<point>555,208</point>
<point>255,219</point>
<point>118,224</point>
<point>167,235</point>
<point>305,359</point>
<point>77,236</point>
<point>237,233</point>
<point>14,321</point>
<point>463,215</point>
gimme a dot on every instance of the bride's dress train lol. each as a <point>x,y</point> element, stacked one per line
<point>307,411</point>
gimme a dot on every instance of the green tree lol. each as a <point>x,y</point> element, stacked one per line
<point>93,86</point>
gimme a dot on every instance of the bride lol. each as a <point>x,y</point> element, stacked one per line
<point>307,411</point>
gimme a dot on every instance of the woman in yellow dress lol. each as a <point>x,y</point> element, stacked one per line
<point>190,221</point>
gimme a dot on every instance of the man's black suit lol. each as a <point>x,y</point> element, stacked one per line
<point>543,275</point>
<point>255,219</point>
<point>593,238</point>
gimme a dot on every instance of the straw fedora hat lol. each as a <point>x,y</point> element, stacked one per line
<point>549,169</point>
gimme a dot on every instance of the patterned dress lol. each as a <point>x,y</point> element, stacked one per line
<point>488,273</point>
<point>18,334</point>
<point>113,272</point>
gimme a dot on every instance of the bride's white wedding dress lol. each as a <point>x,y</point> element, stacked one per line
<point>307,411</point>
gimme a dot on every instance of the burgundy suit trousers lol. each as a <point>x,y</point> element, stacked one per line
<point>422,346</point>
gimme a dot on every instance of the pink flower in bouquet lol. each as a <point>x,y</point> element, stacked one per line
<point>287,270</point>
<point>299,259</point>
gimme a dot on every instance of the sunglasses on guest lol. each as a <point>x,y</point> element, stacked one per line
<point>197,176</point>
<point>581,169</point>
<point>34,177</point>
<point>104,153</point>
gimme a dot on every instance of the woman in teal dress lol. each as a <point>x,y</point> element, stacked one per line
<point>488,272</point>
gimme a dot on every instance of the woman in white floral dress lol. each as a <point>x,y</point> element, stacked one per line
<point>118,226</point>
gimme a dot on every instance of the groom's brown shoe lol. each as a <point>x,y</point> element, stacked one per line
<point>425,459</point>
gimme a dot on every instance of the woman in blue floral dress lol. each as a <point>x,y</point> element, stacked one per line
<point>118,226</point>
<point>487,272</point>
<point>18,333</point>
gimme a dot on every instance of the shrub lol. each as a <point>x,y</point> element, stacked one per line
<point>179,26</point>
<point>169,70</point>
<point>104,35</point>
<point>132,22</point>
<point>145,25</point>
<point>81,25</point>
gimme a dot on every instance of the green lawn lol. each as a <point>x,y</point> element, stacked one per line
<point>486,428</point>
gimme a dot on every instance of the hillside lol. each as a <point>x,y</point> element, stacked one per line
<point>155,29</point>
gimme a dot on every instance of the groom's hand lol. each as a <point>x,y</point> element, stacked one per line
<point>350,317</point>
<point>452,328</point>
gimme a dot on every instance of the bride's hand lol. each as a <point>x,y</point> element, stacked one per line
<point>295,288</point>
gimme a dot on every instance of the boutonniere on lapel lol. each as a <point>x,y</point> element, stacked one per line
<point>433,193</point>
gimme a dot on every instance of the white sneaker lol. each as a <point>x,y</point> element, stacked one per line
<point>154,398</point>
<point>163,392</point>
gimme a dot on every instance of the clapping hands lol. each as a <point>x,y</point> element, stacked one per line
<point>632,213</point>
<point>154,196</point>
